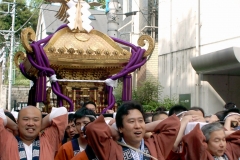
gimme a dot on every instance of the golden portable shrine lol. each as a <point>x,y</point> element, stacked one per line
<point>82,64</point>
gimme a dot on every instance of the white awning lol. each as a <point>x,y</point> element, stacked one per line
<point>223,62</point>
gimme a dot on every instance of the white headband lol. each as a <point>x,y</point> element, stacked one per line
<point>231,115</point>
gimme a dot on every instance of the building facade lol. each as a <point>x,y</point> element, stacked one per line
<point>190,32</point>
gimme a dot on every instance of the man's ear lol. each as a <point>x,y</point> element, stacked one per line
<point>120,130</point>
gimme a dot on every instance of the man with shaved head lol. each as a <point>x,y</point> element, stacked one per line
<point>31,143</point>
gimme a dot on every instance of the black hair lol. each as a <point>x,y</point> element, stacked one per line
<point>220,115</point>
<point>71,117</point>
<point>9,115</point>
<point>177,109</point>
<point>89,102</point>
<point>158,113</point>
<point>230,105</point>
<point>83,112</point>
<point>197,109</point>
<point>147,115</point>
<point>124,110</point>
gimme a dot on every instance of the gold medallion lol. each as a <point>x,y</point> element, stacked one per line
<point>82,37</point>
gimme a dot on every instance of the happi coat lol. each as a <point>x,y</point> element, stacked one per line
<point>66,151</point>
<point>159,144</point>
<point>49,140</point>
<point>196,146</point>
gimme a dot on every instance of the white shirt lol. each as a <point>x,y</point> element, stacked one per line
<point>28,150</point>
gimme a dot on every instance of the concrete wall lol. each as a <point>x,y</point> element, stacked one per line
<point>19,93</point>
<point>3,98</point>
<point>219,29</point>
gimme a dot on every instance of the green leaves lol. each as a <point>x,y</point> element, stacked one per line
<point>148,93</point>
<point>22,18</point>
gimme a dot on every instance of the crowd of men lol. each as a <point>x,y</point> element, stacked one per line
<point>130,134</point>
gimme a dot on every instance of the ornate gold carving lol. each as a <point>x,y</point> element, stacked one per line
<point>52,49</point>
<point>86,53</point>
<point>27,35</point>
<point>106,52</point>
<point>19,56</point>
<point>98,51</point>
<point>89,51</point>
<point>115,53</point>
<point>84,84</point>
<point>84,74</point>
<point>82,36</point>
<point>61,50</point>
<point>71,51</point>
<point>80,51</point>
<point>141,42</point>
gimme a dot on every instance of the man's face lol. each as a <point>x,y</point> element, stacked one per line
<point>148,119</point>
<point>133,129</point>
<point>71,130</point>
<point>217,143</point>
<point>29,123</point>
<point>81,122</point>
<point>91,107</point>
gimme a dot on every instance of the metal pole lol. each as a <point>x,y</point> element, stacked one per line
<point>112,18</point>
<point>198,53</point>
<point>11,57</point>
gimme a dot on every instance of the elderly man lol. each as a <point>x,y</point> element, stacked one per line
<point>30,144</point>
<point>212,143</point>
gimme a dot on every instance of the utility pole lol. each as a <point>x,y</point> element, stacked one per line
<point>112,18</point>
<point>11,57</point>
<point>12,32</point>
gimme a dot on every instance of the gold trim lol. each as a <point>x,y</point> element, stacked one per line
<point>85,48</point>
<point>19,56</point>
<point>27,35</point>
<point>141,42</point>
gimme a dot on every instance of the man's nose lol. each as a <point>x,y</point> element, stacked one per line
<point>137,125</point>
<point>30,122</point>
<point>71,129</point>
<point>221,144</point>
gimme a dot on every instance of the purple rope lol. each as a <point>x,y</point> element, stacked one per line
<point>43,65</point>
<point>57,91</point>
<point>111,100</point>
<point>135,62</point>
<point>132,60</point>
<point>21,67</point>
<point>125,43</point>
<point>127,94</point>
<point>125,71</point>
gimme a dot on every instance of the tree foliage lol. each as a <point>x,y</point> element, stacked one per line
<point>147,94</point>
<point>24,17</point>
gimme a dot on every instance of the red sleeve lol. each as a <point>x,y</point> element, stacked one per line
<point>8,143</point>
<point>3,134</point>
<point>233,144</point>
<point>54,134</point>
<point>99,138</point>
<point>195,144</point>
<point>165,135</point>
